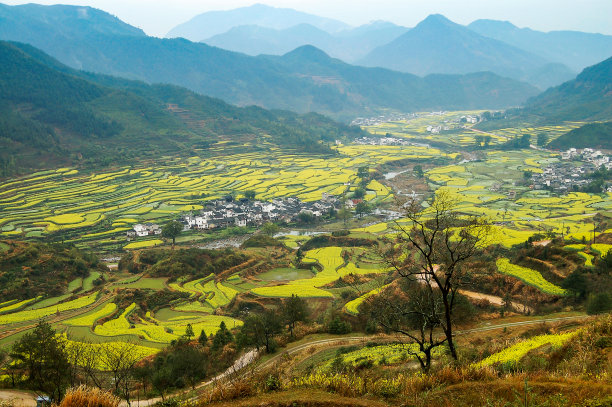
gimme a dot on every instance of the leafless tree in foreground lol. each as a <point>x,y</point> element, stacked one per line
<point>429,254</point>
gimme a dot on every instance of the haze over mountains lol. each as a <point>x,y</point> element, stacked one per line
<point>302,81</point>
<point>439,45</point>
<point>436,45</point>
<point>348,45</point>
<point>212,23</point>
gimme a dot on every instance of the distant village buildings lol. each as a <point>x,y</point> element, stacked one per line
<point>221,214</point>
<point>572,172</point>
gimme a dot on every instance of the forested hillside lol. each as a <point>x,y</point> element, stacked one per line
<point>52,114</point>
<point>592,135</point>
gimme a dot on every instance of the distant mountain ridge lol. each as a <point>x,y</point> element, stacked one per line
<point>438,45</point>
<point>212,23</point>
<point>575,49</point>
<point>587,97</point>
<point>344,91</point>
<point>348,45</point>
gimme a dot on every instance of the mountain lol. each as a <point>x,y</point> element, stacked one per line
<point>588,97</point>
<point>51,114</point>
<point>256,40</point>
<point>574,49</point>
<point>213,23</point>
<point>348,45</point>
<point>317,83</point>
<point>592,135</point>
<point>437,45</point>
<point>341,84</point>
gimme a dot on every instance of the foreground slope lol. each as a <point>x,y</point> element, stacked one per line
<point>267,82</point>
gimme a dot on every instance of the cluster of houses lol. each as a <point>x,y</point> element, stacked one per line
<point>589,155</point>
<point>144,229</point>
<point>469,119</point>
<point>387,141</point>
<point>562,177</point>
<point>437,129</point>
<point>373,121</point>
<point>225,213</point>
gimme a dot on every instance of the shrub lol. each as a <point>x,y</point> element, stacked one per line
<point>598,303</point>
<point>273,383</point>
<point>84,396</point>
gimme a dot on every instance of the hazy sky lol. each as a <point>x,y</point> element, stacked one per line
<point>157,17</point>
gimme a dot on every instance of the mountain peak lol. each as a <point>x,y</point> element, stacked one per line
<point>436,20</point>
<point>308,52</point>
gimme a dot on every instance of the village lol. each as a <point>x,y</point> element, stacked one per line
<point>225,213</point>
<point>572,173</point>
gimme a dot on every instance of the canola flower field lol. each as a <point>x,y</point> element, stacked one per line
<point>515,353</point>
<point>529,276</point>
<point>98,208</point>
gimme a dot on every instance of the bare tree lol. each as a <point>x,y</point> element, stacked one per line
<point>120,359</point>
<point>432,249</point>
<point>412,310</point>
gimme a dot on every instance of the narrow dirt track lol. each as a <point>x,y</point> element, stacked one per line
<point>251,356</point>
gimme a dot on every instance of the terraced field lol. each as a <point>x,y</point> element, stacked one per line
<point>333,267</point>
<point>100,207</point>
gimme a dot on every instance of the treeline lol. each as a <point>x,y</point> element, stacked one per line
<point>29,270</point>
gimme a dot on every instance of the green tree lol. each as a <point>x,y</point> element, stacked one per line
<point>418,171</point>
<point>270,229</point>
<point>487,140</point>
<point>189,331</point>
<point>259,330</point>
<point>171,230</point>
<point>250,195</point>
<point>363,208</point>
<point>41,354</point>
<point>344,214</point>
<point>359,193</point>
<point>203,338</point>
<point>338,327</point>
<point>222,337</point>
<point>479,140</point>
<point>542,139</point>
<point>576,283</point>
<point>599,303</point>
<point>295,310</point>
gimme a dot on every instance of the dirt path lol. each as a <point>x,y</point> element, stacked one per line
<point>21,398</point>
<point>496,301</point>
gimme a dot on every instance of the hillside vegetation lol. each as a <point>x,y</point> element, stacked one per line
<point>592,135</point>
<point>29,270</point>
<point>53,115</point>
